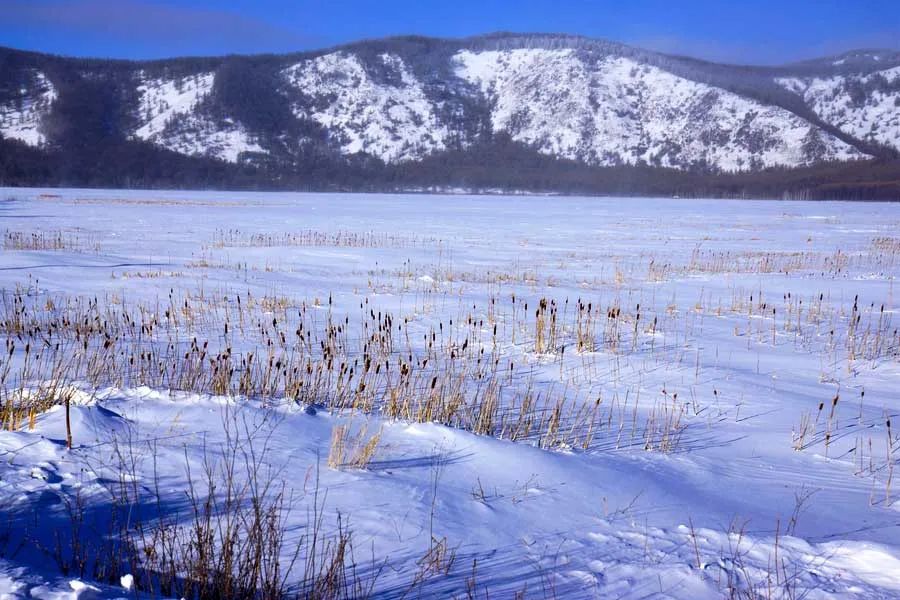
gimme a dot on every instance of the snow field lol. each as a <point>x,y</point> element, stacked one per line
<point>622,404</point>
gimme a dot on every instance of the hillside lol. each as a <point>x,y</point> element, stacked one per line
<point>526,112</point>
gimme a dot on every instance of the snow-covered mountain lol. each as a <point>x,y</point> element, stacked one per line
<point>865,106</point>
<point>400,101</point>
<point>389,117</point>
<point>617,110</point>
<point>169,116</point>
<point>22,115</point>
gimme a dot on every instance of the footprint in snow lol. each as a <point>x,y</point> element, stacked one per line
<point>46,472</point>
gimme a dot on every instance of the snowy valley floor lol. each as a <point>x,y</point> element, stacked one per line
<point>426,396</point>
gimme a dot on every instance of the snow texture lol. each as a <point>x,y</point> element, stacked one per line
<point>393,119</point>
<point>170,116</point>
<point>615,520</point>
<point>871,114</point>
<point>21,119</point>
<point>617,111</point>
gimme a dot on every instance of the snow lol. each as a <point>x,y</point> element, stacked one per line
<point>169,115</point>
<point>19,583</point>
<point>22,120</point>
<point>604,110</point>
<point>162,100</point>
<point>199,136</point>
<point>615,110</point>
<point>875,119</point>
<point>394,120</point>
<point>127,581</point>
<point>614,520</point>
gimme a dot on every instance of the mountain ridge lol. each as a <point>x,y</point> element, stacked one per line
<point>887,54</point>
<point>383,108</point>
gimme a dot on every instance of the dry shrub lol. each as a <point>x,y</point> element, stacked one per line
<point>352,449</point>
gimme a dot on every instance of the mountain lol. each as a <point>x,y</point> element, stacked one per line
<point>505,111</point>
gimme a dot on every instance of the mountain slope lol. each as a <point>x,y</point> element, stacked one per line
<point>389,105</point>
<point>169,117</point>
<point>865,106</point>
<point>616,111</point>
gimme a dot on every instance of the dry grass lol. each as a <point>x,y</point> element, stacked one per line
<point>58,241</point>
<point>235,238</point>
<point>157,274</point>
<point>229,540</point>
<point>879,256</point>
<point>874,440</point>
<point>456,372</point>
<point>292,350</point>
<point>351,449</point>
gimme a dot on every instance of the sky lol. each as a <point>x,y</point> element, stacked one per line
<point>758,32</point>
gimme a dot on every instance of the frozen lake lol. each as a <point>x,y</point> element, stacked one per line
<point>602,397</point>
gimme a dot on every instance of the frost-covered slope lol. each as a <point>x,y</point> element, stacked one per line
<point>170,115</point>
<point>163,101</point>
<point>864,106</point>
<point>392,119</point>
<point>616,111</point>
<point>386,105</point>
<point>21,118</point>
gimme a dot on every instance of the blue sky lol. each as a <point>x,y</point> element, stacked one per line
<point>764,31</point>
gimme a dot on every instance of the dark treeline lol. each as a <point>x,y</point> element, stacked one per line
<point>494,166</point>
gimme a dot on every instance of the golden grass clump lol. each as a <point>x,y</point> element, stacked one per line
<point>352,449</point>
